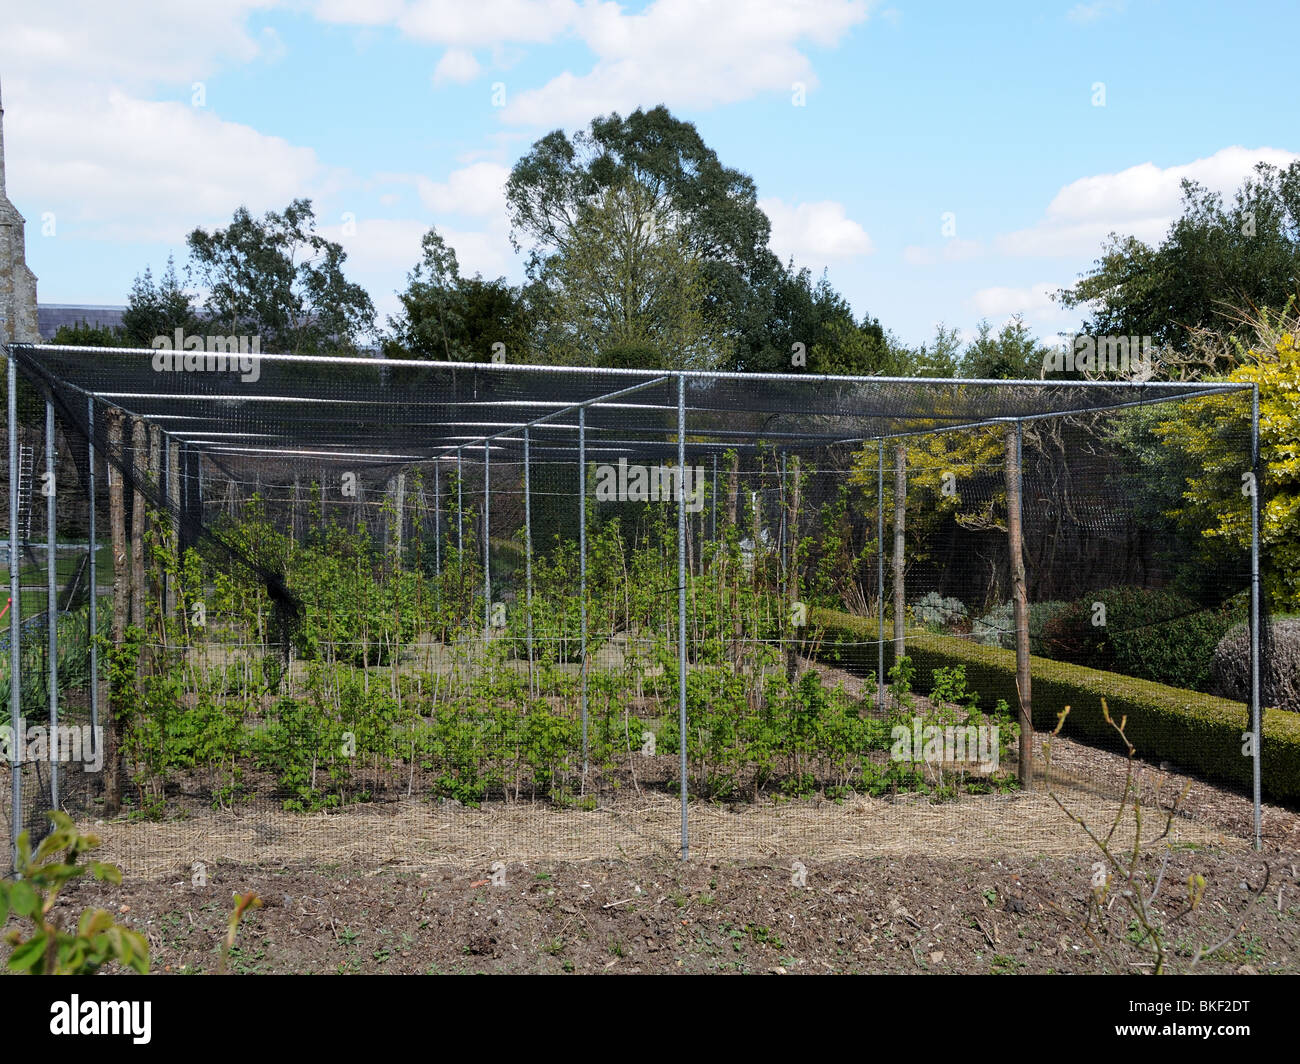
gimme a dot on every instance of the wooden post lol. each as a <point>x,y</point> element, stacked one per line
<point>173,501</point>
<point>155,479</point>
<point>121,604</point>
<point>900,529</point>
<point>792,571</point>
<point>1020,604</point>
<point>400,508</point>
<point>139,466</point>
<point>733,488</point>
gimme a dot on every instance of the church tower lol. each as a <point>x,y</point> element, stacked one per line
<point>17,282</point>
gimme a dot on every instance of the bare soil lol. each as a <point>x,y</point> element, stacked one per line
<point>895,914</point>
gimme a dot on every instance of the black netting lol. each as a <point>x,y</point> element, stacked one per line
<point>367,586</point>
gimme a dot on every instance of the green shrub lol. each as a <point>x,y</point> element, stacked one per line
<point>1154,635</point>
<point>998,626</point>
<point>937,613</point>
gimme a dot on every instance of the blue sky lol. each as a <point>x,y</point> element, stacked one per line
<point>1031,129</point>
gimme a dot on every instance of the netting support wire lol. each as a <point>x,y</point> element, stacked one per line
<point>528,559</point>
<point>52,599</point>
<point>1255,715</point>
<point>92,621</point>
<point>582,574</point>
<point>681,600</point>
<point>15,624</point>
<point>880,575</point>
<point>487,541</point>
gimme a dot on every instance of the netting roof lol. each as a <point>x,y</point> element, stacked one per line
<point>396,411</point>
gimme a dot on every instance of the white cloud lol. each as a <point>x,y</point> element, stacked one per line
<point>678,52</point>
<point>134,44</point>
<point>456,65</point>
<point>1142,200</point>
<point>686,54</point>
<point>455,22</point>
<point>382,251</point>
<point>814,233</point>
<point>117,167</point>
<point>478,190</point>
<point>1005,301</point>
<point>1033,303</point>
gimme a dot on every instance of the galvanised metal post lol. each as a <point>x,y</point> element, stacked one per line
<point>487,539</point>
<point>880,575</point>
<point>528,557</point>
<point>681,600</point>
<point>437,520</point>
<point>460,513</point>
<point>52,600</point>
<point>15,624</point>
<point>582,571</point>
<point>93,620</point>
<point>1255,716</point>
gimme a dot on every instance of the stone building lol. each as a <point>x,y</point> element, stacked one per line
<point>18,320</point>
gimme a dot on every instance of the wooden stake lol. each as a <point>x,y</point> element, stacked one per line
<point>1020,606</point>
<point>121,604</point>
<point>139,463</point>
<point>900,529</point>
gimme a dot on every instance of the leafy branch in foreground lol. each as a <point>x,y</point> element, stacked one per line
<point>49,949</point>
<point>1121,874</point>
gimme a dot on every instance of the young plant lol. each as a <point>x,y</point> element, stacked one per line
<point>49,949</point>
<point>1121,874</point>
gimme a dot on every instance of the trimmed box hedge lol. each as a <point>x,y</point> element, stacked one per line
<point>1193,731</point>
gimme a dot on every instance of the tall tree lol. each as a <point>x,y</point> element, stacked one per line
<point>447,317</point>
<point>279,279</point>
<point>1013,354</point>
<point>157,308</point>
<point>1213,259</point>
<point>628,280</point>
<point>712,209</point>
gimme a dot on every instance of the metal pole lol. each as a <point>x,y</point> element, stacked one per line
<point>880,576</point>
<point>15,625</point>
<point>487,537</point>
<point>582,570</point>
<point>1255,715</point>
<point>437,520</point>
<point>460,513</point>
<point>681,601</point>
<point>528,558</point>
<point>52,601</point>
<point>93,621</point>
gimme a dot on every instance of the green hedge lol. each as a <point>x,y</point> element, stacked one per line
<point>1194,731</point>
